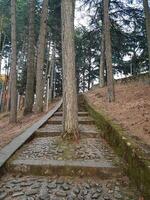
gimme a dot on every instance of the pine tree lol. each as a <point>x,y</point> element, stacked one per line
<point>147,20</point>
<point>13,89</point>
<point>40,57</point>
<point>108,52</point>
<point>29,98</point>
<point>70,110</point>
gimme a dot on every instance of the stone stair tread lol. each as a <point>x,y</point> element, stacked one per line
<point>81,119</point>
<point>102,169</point>
<point>60,113</point>
<point>51,129</point>
<point>75,163</point>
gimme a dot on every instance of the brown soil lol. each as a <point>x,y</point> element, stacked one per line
<point>131,108</point>
<point>10,131</point>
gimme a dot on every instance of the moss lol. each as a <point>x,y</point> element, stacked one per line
<point>136,165</point>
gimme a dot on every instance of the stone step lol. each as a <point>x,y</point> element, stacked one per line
<point>40,167</point>
<point>79,114</point>
<point>82,120</point>
<point>54,156</point>
<point>51,130</point>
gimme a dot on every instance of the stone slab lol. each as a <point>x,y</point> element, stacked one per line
<point>81,120</point>
<point>102,169</point>
<point>56,130</point>
<point>79,114</point>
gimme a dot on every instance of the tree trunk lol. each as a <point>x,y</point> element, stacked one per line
<point>29,98</point>
<point>1,28</point>
<point>102,63</point>
<point>108,52</point>
<point>147,19</point>
<point>52,68</point>
<point>40,57</point>
<point>13,75</point>
<point>70,108</point>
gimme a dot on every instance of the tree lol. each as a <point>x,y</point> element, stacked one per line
<point>108,52</point>
<point>102,63</point>
<point>40,57</point>
<point>147,20</point>
<point>13,76</point>
<point>70,109</point>
<point>29,98</point>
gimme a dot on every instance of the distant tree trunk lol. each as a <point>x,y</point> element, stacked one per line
<point>147,19</point>
<point>13,75</point>
<point>29,97</point>
<point>1,28</point>
<point>108,52</point>
<point>40,57</point>
<point>89,69</point>
<point>102,63</point>
<point>8,95</point>
<point>70,109</point>
<point>52,68</point>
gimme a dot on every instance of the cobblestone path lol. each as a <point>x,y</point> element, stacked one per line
<point>46,167</point>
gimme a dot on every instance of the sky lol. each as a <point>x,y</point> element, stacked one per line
<point>81,15</point>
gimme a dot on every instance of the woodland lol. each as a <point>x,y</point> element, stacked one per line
<point>43,55</point>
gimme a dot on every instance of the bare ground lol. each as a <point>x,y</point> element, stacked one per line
<point>10,131</point>
<point>131,108</point>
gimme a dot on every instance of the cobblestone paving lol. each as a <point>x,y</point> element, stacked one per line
<point>65,188</point>
<point>21,187</point>
<point>54,148</point>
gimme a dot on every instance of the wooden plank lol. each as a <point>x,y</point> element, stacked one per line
<point>16,143</point>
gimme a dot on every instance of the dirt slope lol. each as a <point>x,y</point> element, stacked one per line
<point>131,108</point>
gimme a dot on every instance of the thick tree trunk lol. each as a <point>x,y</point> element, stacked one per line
<point>40,58</point>
<point>102,63</point>
<point>108,52</point>
<point>147,20</point>
<point>29,98</point>
<point>70,109</point>
<point>13,75</point>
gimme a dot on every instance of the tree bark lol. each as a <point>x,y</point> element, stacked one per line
<point>108,53</point>
<point>70,108</point>
<point>29,98</point>
<point>102,63</point>
<point>147,20</point>
<point>52,68</point>
<point>1,28</point>
<point>40,57</point>
<point>13,74</point>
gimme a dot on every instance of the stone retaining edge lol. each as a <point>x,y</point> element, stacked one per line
<point>137,166</point>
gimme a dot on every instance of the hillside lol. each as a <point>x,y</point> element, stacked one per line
<point>131,109</point>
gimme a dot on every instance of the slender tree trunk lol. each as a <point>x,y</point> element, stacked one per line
<point>102,63</point>
<point>52,74</point>
<point>108,52</point>
<point>147,20</point>
<point>40,57</point>
<point>29,98</point>
<point>89,69</point>
<point>70,108</point>
<point>13,74</point>
<point>1,28</point>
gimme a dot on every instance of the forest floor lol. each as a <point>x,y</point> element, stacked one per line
<point>9,131</point>
<point>131,108</point>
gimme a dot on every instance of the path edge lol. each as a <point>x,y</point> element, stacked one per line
<point>137,165</point>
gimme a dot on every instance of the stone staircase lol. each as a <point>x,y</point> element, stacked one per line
<point>46,167</point>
